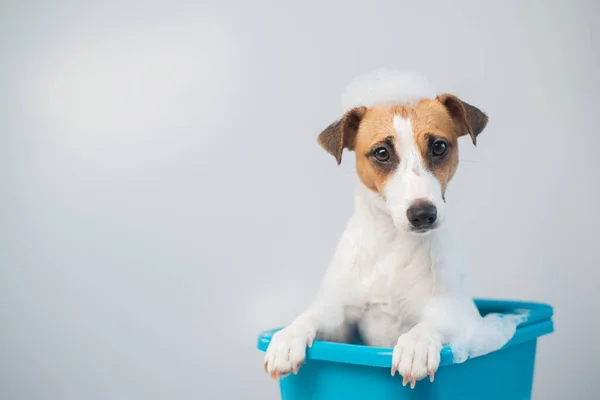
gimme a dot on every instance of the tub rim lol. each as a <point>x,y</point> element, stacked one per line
<point>538,323</point>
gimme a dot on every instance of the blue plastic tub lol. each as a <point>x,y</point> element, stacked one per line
<point>346,371</point>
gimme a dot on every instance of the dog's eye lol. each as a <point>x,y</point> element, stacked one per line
<point>381,154</point>
<point>439,148</point>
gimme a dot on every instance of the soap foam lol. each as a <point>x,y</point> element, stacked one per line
<point>385,86</point>
<point>486,335</point>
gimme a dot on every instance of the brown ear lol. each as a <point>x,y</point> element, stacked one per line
<point>341,134</point>
<point>467,118</point>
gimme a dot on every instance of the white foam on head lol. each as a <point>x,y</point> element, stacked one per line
<point>386,86</point>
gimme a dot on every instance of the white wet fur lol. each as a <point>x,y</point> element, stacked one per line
<point>401,290</point>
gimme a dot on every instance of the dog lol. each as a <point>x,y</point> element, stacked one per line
<point>395,277</point>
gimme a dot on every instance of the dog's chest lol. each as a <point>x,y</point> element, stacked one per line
<point>394,290</point>
<point>397,275</point>
<point>397,279</point>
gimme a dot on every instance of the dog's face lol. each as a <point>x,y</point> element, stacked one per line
<point>407,154</point>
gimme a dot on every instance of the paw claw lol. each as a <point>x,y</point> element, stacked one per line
<point>414,357</point>
<point>287,351</point>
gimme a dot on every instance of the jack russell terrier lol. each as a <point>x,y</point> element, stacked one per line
<point>394,278</point>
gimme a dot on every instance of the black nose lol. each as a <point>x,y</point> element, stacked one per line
<point>422,214</point>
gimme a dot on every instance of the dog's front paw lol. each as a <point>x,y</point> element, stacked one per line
<point>415,356</point>
<point>287,350</point>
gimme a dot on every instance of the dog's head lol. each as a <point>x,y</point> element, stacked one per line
<point>407,153</point>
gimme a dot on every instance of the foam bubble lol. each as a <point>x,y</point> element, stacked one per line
<point>486,335</point>
<point>386,86</point>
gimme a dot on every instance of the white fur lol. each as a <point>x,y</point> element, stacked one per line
<point>400,289</point>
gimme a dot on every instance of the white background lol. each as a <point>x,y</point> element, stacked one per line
<point>163,198</point>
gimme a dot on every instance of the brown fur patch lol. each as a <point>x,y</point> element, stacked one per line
<point>431,121</point>
<point>467,118</point>
<point>376,127</point>
<point>341,134</point>
<point>365,129</point>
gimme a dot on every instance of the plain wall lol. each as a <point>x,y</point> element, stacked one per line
<point>163,197</point>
